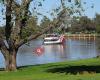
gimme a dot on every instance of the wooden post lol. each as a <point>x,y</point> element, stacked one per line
<point>89,36</point>
<point>94,37</point>
<point>67,36</point>
<point>74,36</point>
<point>79,36</point>
<point>84,36</point>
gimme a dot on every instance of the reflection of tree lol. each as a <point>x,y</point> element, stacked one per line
<point>98,44</point>
<point>56,50</point>
<point>97,22</point>
<point>63,51</point>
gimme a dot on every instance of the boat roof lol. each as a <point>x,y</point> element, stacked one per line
<point>51,34</point>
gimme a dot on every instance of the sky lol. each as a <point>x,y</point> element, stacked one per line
<point>48,5</point>
<point>90,12</point>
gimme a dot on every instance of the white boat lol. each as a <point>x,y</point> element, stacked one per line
<point>54,39</point>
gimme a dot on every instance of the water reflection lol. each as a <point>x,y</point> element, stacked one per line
<point>81,49</point>
<point>71,50</point>
<point>1,60</point>
<point>54,52</point>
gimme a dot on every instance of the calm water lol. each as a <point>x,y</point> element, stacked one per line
<point>71,50</point>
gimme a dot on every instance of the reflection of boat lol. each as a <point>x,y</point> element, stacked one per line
<point>53,39</point>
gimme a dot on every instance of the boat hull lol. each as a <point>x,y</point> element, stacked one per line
<point>53,40</point>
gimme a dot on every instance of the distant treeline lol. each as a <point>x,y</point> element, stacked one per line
<point>81,24</point>
<point>85,25</point>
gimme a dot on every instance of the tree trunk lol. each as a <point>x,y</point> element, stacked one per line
<point>10,60</point>
<point>7,67</point>
<point>13,66</point>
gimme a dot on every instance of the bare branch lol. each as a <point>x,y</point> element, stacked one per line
<point>3,47</point>
<point>34,36</point>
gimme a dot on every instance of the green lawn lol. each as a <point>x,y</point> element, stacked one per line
<point>88,69</point>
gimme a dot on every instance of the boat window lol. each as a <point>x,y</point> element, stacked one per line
<point>51,40</point>
<point>51,35</point>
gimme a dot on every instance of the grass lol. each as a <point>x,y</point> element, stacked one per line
<point>88,69</point>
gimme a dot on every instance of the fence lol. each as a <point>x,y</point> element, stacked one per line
<point>81,36</point>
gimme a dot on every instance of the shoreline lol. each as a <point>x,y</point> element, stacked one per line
<point>68,70</point>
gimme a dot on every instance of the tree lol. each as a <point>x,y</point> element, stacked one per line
<point>82,24</point>
<point>87,24</point>
<point>17,22</point>
<point>97,22</point>
<point>75,26</point>
<point>45,22</point>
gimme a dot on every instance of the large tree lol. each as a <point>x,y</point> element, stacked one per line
<point>17,22</point>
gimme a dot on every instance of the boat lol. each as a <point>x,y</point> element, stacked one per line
<point>54,39</point>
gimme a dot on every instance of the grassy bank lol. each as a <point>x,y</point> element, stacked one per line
<point>88,69</point>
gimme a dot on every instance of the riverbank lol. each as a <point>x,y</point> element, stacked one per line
<point>78,36</point>
<point>88,69</point>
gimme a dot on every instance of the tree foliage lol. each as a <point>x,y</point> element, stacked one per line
<point>2,31</point>
<point>45,22</point>
<point>82,24</point>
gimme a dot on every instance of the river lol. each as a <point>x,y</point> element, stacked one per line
<point>71,50</point>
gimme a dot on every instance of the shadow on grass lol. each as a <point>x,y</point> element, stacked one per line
<point>1,69</point>
<point>76,69</point>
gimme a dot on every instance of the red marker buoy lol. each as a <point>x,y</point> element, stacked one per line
<point>39,50</point>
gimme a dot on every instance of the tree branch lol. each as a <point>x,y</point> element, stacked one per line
<point>23,41</point>
<point>59,21</point>
<point>34,36</point>
<point>3,47</point>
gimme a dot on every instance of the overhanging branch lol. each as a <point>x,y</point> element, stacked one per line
<point>40,33</point>
<point>3,47</point>
<point>34,36</point>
